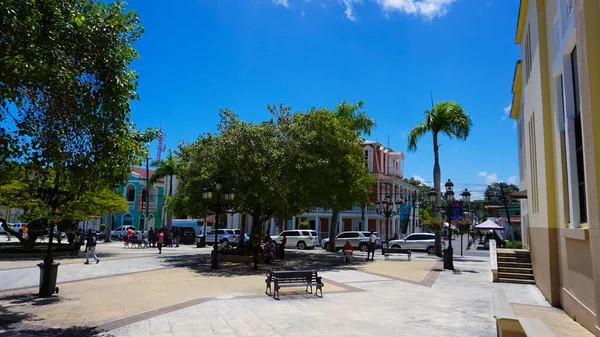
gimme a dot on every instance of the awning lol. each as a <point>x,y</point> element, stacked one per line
<point>489,225</point>
<point>519,195</point>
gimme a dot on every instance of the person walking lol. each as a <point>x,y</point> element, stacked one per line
<point>76,244</point>
<point>151,239</point>
<point>90,245</point>
<point>282,247</point>
<point>160,240</point>
<point>372,244</point>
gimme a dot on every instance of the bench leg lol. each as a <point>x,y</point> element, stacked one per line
<point>306,290</point>
<point>409,257</point>
<point>268,290</point>
<point>319,288</point>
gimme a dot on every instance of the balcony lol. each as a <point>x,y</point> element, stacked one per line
<point>396,171</point>
<point>151,207</point>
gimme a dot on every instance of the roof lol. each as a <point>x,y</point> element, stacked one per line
<point>521,20</point>
<point>141,171</point>
<point>519,195</point>
<point>515,108</point>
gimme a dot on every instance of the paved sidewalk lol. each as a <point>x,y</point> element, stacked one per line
<point>178,295</point>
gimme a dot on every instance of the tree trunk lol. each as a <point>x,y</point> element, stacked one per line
<point>436,185</point>
<point>108,229</point>
<point>169,215</point>
<point>333,227</point>
<point>242,242</point>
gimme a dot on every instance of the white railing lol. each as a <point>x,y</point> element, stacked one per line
<point>396,171</point>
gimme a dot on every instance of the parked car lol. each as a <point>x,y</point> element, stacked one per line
<point>418,241</point>
<point>358,239</point>
<point>224,236</point>
<point>187,235</point>
<point>301,238</point>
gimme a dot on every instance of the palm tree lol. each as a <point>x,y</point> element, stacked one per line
<point>166,168</point>
<point>450,119</point>
<point>360,122</point>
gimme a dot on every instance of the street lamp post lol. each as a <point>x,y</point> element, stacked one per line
<point>218,201</point>
<point>387,209</point>
<point>448,253</point>
<point>466,197</point>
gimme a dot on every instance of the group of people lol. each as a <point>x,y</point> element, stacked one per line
<point>169,237</point>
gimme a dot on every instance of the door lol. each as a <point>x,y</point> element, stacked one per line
<point>292,238</point>
<point>411,241</point>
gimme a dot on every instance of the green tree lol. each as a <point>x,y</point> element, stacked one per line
<point>354,114</point>
<point>328,161</point>
<point>65,96</point>
<point>166,168</point>
<point>445,118</point>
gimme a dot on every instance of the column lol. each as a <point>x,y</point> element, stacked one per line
<point>293,222</point>
<point>340,223</point>
<point>366,221</point>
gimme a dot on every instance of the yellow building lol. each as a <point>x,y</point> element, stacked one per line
<point>557,107</point>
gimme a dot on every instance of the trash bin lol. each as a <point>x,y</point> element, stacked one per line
<point>48,288</point>
<point>200,243</point>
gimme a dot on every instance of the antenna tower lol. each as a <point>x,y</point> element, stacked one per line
<point>161,148</point>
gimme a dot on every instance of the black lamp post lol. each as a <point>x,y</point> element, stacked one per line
<point>54,198</point>
<point>464,228</point>
<point>388,209</point>
<point>218,201</point>
<point>448,253</point>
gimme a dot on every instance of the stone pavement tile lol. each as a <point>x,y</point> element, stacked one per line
<point>412,271</point>
<point>557,320</point>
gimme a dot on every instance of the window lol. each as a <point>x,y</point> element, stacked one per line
<point>528,61</point>
<point>561,115</point>
<point>292,233</point>
<point>130,193</point>
<point>344,236</point>
<point>578,139</point>
<point>533,166</point>
<point>305,233</point>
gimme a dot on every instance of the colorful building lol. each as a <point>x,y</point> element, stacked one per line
<point>557,108</point>
<point>134,192</point>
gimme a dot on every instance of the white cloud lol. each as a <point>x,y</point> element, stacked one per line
<point>512,180</point>
<point>349,11</point>
<point>489,178</point>
<point>428,9</point>
<point>302,13</point>
<point>514,125</point>
<point>422,180</point>
<point>507,109</point>
<point>284,3</point>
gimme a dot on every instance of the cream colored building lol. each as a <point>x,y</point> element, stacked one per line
<point>557,107</point>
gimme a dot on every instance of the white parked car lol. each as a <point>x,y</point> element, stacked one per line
<point>418,241</point>
<point>359,240</point>
<point>300,238</point>
<point>225,236</point>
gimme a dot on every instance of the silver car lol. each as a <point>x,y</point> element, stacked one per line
<point>417,241</point>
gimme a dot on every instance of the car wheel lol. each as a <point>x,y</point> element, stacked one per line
<point>362,247</point>
<point>325,246</point>
<point>396,246</point>
<point>431,250</point>
<point>301,245</point>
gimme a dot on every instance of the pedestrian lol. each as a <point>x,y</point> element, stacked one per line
<point>282,246</point>
<point>160,240</point>
<point>151,237</point>
<point>170,238</point>
<point>76,244</point>
<point>372,243</point>
<point>348,251</point>
<point>90,244</point>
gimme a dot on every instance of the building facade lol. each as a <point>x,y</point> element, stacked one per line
<point>558,119</point>
<point>134,192</point>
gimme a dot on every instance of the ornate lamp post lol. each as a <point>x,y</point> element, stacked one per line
<point>218,201</point>
<point>448,253</point>
<point>464,228</point>
<point>387,209</point>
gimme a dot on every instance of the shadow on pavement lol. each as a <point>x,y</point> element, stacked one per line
<point>293,261</point>
<point>11,324</point>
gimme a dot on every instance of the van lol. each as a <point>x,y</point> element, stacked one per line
<point>194,223</point>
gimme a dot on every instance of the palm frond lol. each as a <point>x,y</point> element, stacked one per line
<point>416,133</point>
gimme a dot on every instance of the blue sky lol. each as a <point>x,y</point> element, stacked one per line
<point>200,55</point>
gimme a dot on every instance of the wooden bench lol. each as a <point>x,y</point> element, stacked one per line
<point>400,251</point>
<point>293,278</point>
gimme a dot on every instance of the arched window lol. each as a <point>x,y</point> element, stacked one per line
<point>127,220</point>
<point>142,222</point>
<point>151,222</point>
<point>130,193</point>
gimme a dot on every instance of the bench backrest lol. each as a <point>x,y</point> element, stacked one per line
<point>295,276</point>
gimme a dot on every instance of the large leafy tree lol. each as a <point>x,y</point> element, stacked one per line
<point>65,93</point>
<point>326,163</point>
<point>445,118</point>
<point>169,167</point>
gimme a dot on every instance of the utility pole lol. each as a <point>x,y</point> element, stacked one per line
<point>505,202</point>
